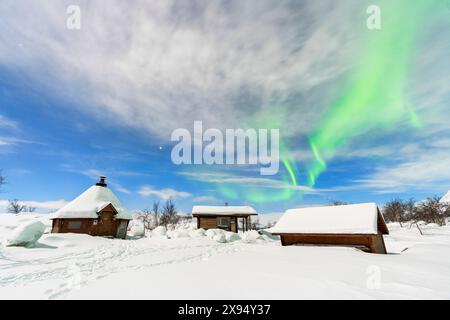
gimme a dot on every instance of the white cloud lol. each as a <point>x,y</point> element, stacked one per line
<point>257,181</point>
<point>427,172</point>
<point>121,188</point>
<point>423,166</point>
<point>11,141</point>
<point>93,173</point>
<point>49,205</point>
<point>205,199</point>
<point>227,63</point>
<point>163,194</point>
<point>7,123</point>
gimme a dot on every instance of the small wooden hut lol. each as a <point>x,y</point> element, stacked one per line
<point>359,225</point>
<point>96,212</point>
<point>224,217</point>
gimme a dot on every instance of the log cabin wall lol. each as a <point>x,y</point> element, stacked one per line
<point>86,226</point>
<point>212,222</point>
<point>378,245</point>
<point>106,225</point>
<point>373,243</point>
<point>207,222</point>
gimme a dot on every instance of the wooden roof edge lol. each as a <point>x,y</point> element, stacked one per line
<point>326,234</point>
<point>382,222</point>
<point>224,214</point>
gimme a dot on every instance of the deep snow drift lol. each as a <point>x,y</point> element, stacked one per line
<point>194,264</point>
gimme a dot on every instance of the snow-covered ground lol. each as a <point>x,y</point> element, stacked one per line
<point>73,266</point>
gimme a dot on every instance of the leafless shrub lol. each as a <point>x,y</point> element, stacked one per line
<point>338,203</point>
<point>16,207</point>
<point>156,213</point>
<point>145,216</point>
<point>2,179</point>
<point>428,211</point>
<point>169,216</point>
<point>396,211</point>
<point>150,218</point>
<point>29,209</point>
<point>255,224</point>
<point>432,211</point>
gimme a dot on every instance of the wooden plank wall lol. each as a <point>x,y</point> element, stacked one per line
<point>207,222</point>
<point>374,243</point>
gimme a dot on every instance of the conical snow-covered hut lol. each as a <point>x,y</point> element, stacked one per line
<point>96,212</point>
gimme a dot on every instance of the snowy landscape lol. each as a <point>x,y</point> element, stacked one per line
<point>168,266</point>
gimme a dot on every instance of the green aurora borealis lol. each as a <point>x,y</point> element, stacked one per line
<point>372,99</point>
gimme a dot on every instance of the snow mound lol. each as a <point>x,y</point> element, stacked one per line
<point>231,237</point>
<point>179,233</point>
<point>221,238</point>
<point>197,233</point>
<point>159,232</point>
<point>137,230</point>
<point>251,236</point>
<point>211,233</point>
<point>26,234</point>
<point>267,235</point>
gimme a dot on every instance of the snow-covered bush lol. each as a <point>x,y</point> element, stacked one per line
<point>159,232</point>
<point>26,235</point>
<point>251,236</point>
<point>179,233</point>
<point>211,233</point>
<point>231,237</point>
<point>137,230</point>
<point>197,233</point>
<point>220,237</point>
<point>433,225</point>
<point>266,235</point>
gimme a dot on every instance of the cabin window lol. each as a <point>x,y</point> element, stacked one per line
<point>223,222</point>
<point>95,222</point>
<point>74,225</point>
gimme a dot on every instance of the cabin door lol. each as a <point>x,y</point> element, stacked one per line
<point>233,225</point>
<point>107,225</point>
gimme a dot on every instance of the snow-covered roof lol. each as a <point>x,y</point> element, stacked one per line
<point>223,210</point>
<point>349,219</point>
<point>446,198</point>
<point>90,203</point>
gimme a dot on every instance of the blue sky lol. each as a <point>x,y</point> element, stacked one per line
<point>105,99</point>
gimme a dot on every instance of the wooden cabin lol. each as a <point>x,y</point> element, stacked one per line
<point>227,218</point>
<point>359,225</point>
<point>96,212</point>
